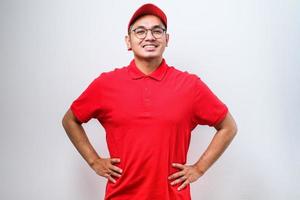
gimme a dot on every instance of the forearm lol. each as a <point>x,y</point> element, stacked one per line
<point>80,140</point>
<point>219,143</point>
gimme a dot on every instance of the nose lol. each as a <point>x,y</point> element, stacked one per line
<point>149,35</point>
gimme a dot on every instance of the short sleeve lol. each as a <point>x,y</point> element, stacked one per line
<point>208,109</point>
<point>88,104</point>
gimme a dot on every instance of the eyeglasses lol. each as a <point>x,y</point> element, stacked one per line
<point>141,32</point>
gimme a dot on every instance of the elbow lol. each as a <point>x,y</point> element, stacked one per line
<point>233,130</point>
<point>232,127</point>
<point>64,121</point>
<point>230,133</point>
<point>69,119</point>
<point>230,130</point>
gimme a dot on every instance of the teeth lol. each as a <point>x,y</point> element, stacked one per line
<point>149,46</point>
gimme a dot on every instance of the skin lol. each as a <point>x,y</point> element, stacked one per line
<point>147,60</point>
<point>102,166</point>
<point>225,132</point>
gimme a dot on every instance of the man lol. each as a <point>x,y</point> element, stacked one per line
<point>148,110</point>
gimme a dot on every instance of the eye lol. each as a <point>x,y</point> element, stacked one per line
<point>140,31</point>
<point>157,31</point>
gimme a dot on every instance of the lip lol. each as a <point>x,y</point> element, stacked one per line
<point>150,45</point>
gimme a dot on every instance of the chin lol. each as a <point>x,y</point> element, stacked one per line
<point>149,55</point>
<point>141,53</point>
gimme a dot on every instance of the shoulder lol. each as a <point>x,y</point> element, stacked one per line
<point>111,75</point>
<point>184,75</point>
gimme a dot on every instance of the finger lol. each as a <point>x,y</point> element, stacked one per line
<point>115,174</point>
<point>179,180</point>
<point>110,178</point>
<point>116,169</point>
<point>178,165</point>
<point>175,175</point>
<point>183,185</point>
<point>115,160</point>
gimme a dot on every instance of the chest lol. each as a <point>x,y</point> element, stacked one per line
<point>148,100</point>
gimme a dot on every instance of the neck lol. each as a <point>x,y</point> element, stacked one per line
<point>147,66</point>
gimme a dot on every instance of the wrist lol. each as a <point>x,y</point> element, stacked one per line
<point>199,169</point>
<point>91,162</point>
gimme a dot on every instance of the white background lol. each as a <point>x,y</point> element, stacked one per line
<point>246,51</point>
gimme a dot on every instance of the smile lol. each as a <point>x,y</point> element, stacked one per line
<point>149,45</point>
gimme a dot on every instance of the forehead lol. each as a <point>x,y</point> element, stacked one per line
<point>147,21</point>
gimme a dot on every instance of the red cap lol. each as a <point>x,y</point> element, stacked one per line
<point>148,9</point>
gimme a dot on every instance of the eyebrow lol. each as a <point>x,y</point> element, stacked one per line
<point>155,26</point>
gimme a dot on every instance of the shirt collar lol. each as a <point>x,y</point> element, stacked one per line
<point>157,74</point>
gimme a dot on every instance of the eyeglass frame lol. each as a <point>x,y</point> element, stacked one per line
<point>148,29</point>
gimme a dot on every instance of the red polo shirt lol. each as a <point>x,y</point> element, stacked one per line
<point>148,121</point>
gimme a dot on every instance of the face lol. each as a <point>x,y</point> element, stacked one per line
<point>149,47</point>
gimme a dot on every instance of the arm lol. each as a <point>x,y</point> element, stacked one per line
<point>226,130</point>
<point>103,167</point>
<point>78,137</point>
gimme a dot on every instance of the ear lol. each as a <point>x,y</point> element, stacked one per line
<point>128,42</point>
<point>167,39</point>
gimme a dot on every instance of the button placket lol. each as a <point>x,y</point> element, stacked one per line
<point>147,93</point>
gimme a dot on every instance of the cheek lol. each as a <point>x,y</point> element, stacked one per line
<point>163,46</point>
<point>135,42</point>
